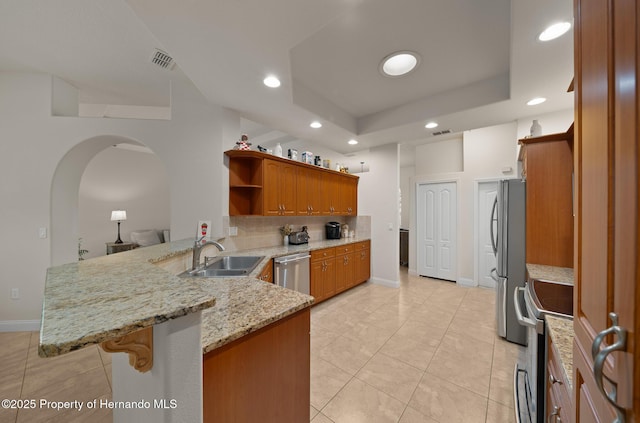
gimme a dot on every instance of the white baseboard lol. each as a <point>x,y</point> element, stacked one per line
<point>385,282</point>
<point>466,282</point>
<point>413,272</point>
<point>19,325</point>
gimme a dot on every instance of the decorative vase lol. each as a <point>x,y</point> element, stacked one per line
<point>285,239</point>
<point>278,150</point>
<point>536,129</point>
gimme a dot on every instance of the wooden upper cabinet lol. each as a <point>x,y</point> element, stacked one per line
<point>349,197</point>
<point>607,244</point>
<point>279,188</point>
<point>309,198</point>
<point>262,184</point>
<point>547,165</point>
<point>331,195</point>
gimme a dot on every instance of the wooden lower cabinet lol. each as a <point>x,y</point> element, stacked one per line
<point>262,377</point>
<point>558,402</point>
<point>336,269</point>
<point>267,272</point>
<point>363,261</point>
<point>323,274</point>
<point>345,268</point>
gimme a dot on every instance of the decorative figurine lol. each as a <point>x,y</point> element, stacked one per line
<point>243,144</point>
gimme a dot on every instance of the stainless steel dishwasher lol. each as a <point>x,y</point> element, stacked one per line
<point>292,272</point>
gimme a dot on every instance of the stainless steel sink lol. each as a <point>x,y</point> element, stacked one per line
<point>226,266</point>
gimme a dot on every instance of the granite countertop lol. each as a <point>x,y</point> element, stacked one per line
<point>550,273</point>
<point>246,304</point>
<point>95,300</point>
<point>561,332</point>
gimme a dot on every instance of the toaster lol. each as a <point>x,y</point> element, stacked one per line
<point>299,237</point>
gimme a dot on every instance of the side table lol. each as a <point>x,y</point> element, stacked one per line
<point>113,248</point>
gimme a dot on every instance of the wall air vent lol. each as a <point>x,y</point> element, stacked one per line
<point>162,59</point>
<point>444,131</point>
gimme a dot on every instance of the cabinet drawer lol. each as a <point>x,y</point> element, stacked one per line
<point>344,249</point>
<point>557,385</point>
<point>323,254</point>
<point>362,245</point>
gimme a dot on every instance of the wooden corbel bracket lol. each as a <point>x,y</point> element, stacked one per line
<point>139,346</point>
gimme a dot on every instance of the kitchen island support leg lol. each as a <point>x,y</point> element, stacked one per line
<point>172,390</point>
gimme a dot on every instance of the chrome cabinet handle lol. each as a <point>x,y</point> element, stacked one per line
<point>553,379</point>
<point>599,357</point>
<point>555,414</point>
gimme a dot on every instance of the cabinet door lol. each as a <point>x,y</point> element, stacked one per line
<point>329,281</point>
<point>606,235</point>
<point>347,202</point>
<point>271,195</point>
<point>308,185</point>
<point>363,266</point>
<point>288,189</point>
<point>267,272</point>
<point>351,196</point>
<point>317,280</point>
<point>279,188</point>
<point>345,272</point>
<point>329,194</point>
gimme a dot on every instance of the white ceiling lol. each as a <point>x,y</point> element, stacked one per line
<point>480,60</point>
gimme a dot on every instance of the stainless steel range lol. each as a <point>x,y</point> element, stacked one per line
<point>540,298</point>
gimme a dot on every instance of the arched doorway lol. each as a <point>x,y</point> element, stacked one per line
<point>65,195</point>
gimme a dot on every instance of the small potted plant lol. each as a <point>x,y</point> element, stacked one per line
<point>285,231</point>
<point>81,251</point>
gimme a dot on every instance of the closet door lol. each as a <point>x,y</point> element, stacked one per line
<point>437,230</point>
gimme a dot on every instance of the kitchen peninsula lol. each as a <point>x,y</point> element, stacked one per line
<point>208,333</point>
<point>109,299</point>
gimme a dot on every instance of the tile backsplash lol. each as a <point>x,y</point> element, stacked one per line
<point>261,232</point>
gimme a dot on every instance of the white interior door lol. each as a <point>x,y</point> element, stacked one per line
<point>487,192</point>
<point>437,210</point>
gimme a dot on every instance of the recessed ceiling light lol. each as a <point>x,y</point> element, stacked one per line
<point>271,81</point>
<point>353,142</point>
<point>315,124</point>
<point>535,101</point>
<point>399,63</point>
<point>554,31</point>
<point>431,125</point>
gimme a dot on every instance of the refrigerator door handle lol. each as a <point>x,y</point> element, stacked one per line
<point>494,218</point>
<point>501,306</point>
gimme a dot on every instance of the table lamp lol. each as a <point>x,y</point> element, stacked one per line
<point>118,216</point>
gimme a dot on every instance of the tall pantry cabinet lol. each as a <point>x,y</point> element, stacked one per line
<point>606,353</point>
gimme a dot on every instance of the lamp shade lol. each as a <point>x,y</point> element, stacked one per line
<point>118,215</point>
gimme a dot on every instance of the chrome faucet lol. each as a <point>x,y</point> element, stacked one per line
<point>197,250</point>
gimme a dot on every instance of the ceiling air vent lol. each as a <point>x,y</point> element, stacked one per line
<point>162,59</point>
<point>444,131</point>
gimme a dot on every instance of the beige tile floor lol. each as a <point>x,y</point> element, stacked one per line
<point>426,352</point>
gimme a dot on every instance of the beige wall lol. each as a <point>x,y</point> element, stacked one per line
<point>484,154</point>
<point>120,179</point>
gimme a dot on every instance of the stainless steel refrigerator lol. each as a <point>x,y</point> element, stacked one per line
<point>508,230</point>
